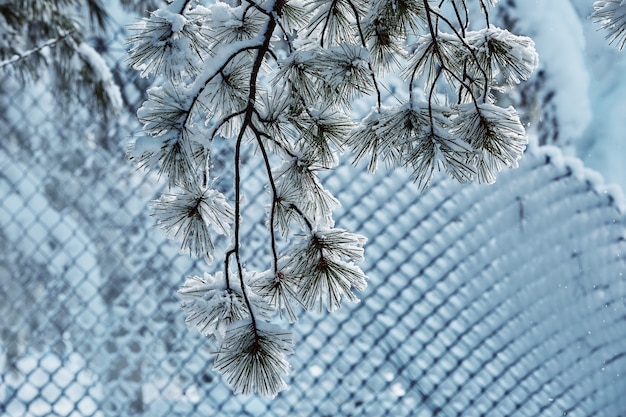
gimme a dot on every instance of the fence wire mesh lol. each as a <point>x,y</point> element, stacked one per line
<point>501,300</point>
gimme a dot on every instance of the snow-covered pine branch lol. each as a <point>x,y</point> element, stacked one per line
<point>611,14</point>
<point>280,78</point>
<point>48,40</point>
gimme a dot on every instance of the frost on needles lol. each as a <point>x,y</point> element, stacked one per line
<point>280,78</point>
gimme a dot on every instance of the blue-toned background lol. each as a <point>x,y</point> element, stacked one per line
<point>494,300</point>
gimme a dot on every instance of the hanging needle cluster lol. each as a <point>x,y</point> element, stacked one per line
<point>278,80</point>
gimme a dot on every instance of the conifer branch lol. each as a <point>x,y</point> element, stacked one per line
<point>294,100</point>
<point>24,55</point>
<point>611,14</point>
<point>364,45</point>
<point>274,196</point>
<point>483,7</point>
<point>207,80</point>
<point>462,24</point>
<point>469,49</point>
<point>237,162</point>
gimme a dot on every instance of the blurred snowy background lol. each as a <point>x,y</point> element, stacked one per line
<point>483,300</point>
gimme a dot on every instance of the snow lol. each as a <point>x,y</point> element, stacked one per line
<point>176,20</point>
<point>103,74</point>
<point>559,39</point>
<point>603,144</point>
<point>587,75</point>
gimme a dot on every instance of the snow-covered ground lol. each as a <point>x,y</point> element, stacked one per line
<point>587,77</point>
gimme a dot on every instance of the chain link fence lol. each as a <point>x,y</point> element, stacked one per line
<point>482,301</point>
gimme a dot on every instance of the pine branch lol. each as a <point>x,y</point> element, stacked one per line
<point>363,44</point>
<point>611,14</point>
<point>247,122</point>
<point>452,73</point>
<point>291,96</point>
<point>274,196</point>
<point>24,55</point>
<point>254,364</point>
